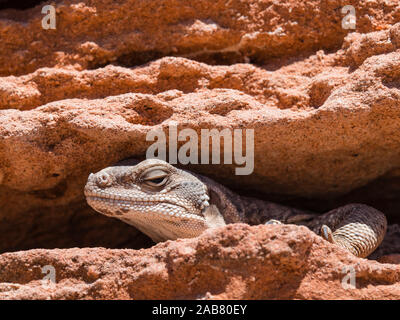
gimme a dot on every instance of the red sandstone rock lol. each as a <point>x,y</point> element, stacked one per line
<point>233,262</point>
<point>89,35</point>
<point>392,258</point>
<point>323,102</point>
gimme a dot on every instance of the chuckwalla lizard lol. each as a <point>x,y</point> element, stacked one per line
<point>165,203</point>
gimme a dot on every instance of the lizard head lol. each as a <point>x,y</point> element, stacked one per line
<point>160,200</point>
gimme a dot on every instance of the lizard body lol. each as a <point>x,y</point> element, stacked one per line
<point>165,203</point>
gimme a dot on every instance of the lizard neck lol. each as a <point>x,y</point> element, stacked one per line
<point>236,208</point>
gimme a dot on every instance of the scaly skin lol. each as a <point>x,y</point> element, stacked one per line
<point>168,203</point>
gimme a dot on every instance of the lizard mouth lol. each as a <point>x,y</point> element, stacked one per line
<point>159,220</point>
<point>111,206</point>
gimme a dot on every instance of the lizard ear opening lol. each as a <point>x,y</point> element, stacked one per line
<point>214,218</point>
<point>226,202</point>
<point>216,200</point>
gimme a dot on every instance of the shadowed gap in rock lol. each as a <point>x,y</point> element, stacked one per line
<point>19,4</point>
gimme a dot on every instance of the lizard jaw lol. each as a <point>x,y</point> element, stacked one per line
<point>119,207</point>
<point>160,221</point>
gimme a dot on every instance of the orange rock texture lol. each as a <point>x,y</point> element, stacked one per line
<point>233,262</point>
<point>323,102</point>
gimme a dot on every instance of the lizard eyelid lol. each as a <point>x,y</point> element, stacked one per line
<point>156,181</point>
<point>155,177</point>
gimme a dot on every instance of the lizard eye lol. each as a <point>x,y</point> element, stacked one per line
<point>156,181</point>
<point>155,178</point>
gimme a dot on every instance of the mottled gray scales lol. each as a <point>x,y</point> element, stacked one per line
<point>168,203</point>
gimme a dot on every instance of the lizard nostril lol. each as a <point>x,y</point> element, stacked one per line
<point>104,180</point>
